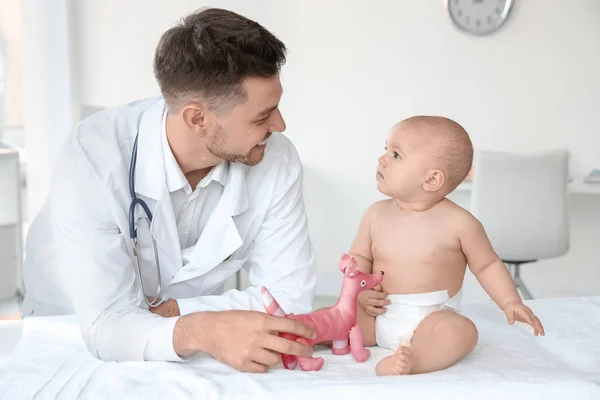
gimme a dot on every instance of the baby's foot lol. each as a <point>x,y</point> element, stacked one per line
<point>399,363</point>
<point>403,361</point>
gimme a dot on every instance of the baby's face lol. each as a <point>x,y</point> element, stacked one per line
<point>404,167</point>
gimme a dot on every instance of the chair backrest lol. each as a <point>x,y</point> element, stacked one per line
<point>522,202</point>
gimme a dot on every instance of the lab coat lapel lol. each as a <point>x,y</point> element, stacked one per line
<point>149,177</point>
<point>164,230</point>
<point>151,183</point>
<point>220,237</point>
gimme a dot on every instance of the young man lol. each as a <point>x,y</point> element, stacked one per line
<point>200,174</point>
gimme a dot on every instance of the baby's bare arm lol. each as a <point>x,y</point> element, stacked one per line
<point>493,275</point>
<point>361,246</point>
<point>361,251</point>
<point>485,264</point>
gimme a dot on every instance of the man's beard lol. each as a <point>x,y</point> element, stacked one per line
<point>216,146</point>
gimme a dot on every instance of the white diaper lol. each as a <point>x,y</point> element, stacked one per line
<point>397,325</point>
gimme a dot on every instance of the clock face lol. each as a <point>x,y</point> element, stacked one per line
<point>478,17</point>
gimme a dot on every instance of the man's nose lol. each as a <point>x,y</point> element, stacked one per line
<point>278,123</point>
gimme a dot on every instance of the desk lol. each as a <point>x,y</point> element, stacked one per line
<point>576,186</point>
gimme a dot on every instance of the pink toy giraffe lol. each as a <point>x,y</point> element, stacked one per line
<point>337,324</point>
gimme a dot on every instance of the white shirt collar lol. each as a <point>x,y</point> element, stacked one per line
<point>175,178</point>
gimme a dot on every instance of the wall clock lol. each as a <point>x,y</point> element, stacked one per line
<point>478,17</point>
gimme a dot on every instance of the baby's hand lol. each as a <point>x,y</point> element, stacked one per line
<point>516,310</point>
<point>373,301</point>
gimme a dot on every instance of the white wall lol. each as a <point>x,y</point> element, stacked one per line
<point>356,67</point>
<point>49,99</point>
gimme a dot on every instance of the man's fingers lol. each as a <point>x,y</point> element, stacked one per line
<point>254,367</point>
<point>266,357</point>
<point>286,346</point>
<point>287,325</point>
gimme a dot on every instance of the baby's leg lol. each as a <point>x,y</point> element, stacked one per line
<point>441,339</point>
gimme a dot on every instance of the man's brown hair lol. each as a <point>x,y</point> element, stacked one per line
<point>208,55</point>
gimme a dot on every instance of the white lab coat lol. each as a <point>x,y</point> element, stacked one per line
<point>80,258</point>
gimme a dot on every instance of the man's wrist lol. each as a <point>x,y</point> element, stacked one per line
<point>189,336</point>
<point>168,309</point>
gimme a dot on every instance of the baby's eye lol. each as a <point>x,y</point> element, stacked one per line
<point>396,155</point>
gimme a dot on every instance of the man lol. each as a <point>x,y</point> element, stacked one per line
<point>222,189</point>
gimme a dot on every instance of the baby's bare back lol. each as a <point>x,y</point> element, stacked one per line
<point>418,251</point>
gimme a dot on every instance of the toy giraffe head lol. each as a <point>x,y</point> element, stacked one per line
<point>356,281</point>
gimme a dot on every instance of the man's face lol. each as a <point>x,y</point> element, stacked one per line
<point>242,134</point>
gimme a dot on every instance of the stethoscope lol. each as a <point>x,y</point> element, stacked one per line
<point>133,229</point>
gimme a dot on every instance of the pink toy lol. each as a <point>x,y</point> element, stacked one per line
<point>337,324</point>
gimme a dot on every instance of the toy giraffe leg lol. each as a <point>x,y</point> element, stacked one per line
<point>357,345</point>
<point>289,361</point>
<point>340,347</point>
<point>309,363</point>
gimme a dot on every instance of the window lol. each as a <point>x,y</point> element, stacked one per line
<point>11,105</point>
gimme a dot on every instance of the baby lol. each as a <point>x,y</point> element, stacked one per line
<point>423,242</point>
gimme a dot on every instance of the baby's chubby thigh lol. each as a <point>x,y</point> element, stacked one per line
<point>397,326</point>
<point>441,340</point>
<point>457,330</point>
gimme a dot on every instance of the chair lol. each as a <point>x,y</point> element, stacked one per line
<point>522,202</point>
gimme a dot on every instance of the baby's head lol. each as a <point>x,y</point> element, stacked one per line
<point>426,158</point>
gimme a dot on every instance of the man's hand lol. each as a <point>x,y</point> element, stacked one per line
<point>245,340</point>
<point>168,309</point>
<point>373,301</point>
<point>516,310</point>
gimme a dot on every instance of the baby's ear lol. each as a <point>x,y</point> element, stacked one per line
<point>435,181</point>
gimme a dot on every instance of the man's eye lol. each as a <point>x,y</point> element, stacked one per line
<point>260,121</point>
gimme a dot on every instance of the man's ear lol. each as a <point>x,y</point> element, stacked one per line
<point>435,181</point>
<point>196,117</point>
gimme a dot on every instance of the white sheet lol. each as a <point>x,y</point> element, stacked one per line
<point>508,363</point>
<point>10,335</point>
